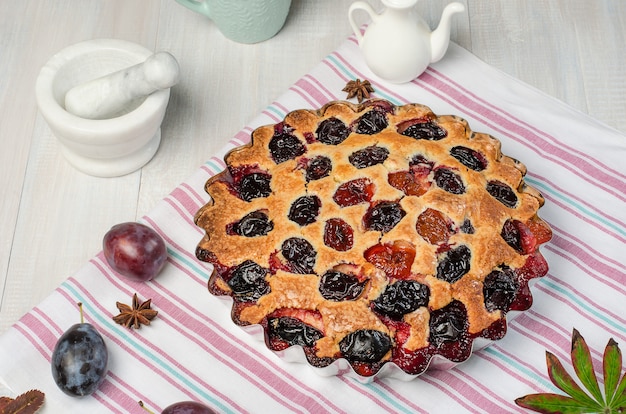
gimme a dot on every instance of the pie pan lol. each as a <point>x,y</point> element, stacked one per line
<point>372,240</point>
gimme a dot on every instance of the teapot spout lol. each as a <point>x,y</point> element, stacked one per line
<point>440,38</point>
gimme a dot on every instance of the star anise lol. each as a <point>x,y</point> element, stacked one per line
<point>358,88</point>
<point>134,317</point>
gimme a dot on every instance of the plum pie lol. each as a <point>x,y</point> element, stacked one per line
<point>373,233</point>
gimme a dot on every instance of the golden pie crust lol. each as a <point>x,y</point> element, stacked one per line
<point>292,293</point>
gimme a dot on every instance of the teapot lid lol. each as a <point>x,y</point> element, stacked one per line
<point>399,3</point>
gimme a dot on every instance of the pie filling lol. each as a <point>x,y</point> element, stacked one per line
<point>374,233</point>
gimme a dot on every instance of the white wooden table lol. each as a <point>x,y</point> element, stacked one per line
<point>53,218</point>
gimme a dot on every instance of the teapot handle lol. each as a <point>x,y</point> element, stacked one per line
<point>360,5</point>
<point>198,6</point>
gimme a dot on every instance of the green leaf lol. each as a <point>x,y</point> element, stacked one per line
<point>565,382</point>
<point>612,368</point>
<point>581,360</point>
<point>548,403</point>
<point>577,400</point>
<point>619,398</point>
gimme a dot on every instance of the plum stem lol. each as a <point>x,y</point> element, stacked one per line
<point>80,309</point>
<point>141,404</point>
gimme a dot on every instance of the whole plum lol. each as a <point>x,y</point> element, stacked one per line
<point>183,407</point>
<point>187,407</point>
<point>79,360</point>
<point>135,251</point>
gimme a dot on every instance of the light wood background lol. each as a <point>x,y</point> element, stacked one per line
<point>52,217</point>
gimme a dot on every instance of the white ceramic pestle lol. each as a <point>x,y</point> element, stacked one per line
<point>114,94</point>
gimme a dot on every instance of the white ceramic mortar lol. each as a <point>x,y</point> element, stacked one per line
<point>107,147</point>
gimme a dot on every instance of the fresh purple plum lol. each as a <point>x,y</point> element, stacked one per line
<point>79,360</point>
<point>134,251</point>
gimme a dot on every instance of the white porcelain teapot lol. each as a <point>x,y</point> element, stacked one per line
<point>398,45</point>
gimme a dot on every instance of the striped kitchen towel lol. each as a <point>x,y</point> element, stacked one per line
<point>193,351</point>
